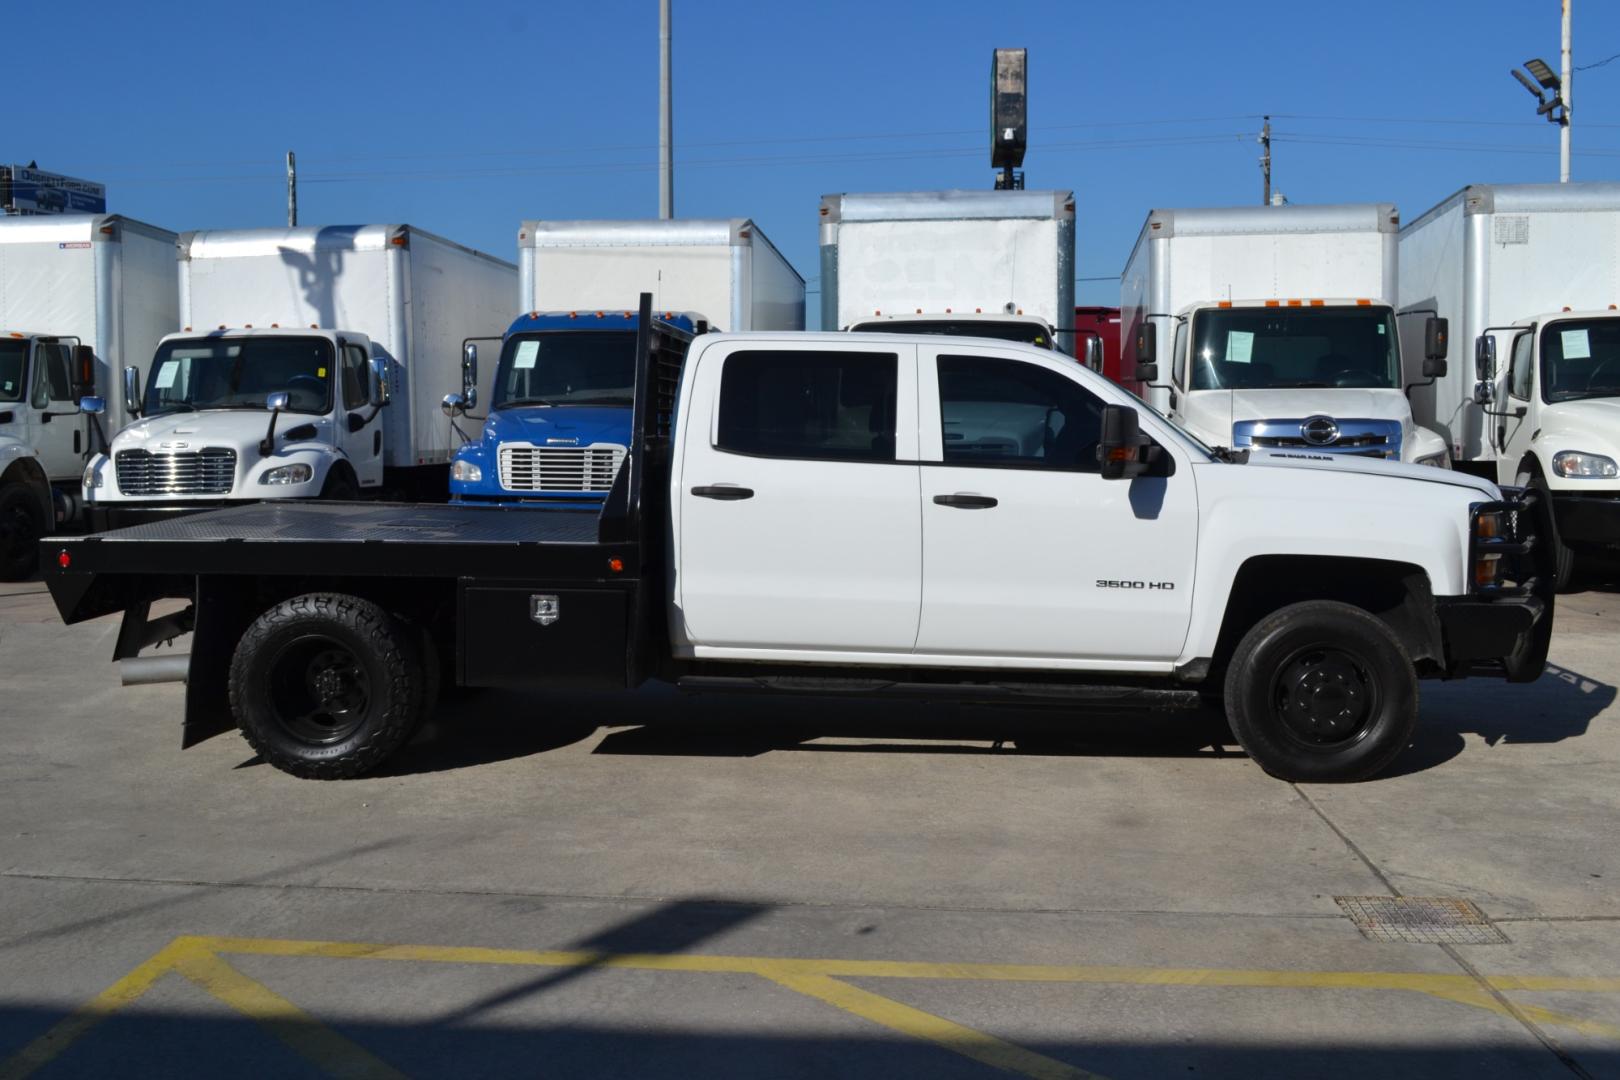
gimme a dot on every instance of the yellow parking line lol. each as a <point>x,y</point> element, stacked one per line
<point>200,960</point>
<point>985,1049</point>
<point>306,1036</point>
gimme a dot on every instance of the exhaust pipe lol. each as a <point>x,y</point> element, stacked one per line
<point>146,670</point>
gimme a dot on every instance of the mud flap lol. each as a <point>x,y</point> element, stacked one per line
<point>222,614</point>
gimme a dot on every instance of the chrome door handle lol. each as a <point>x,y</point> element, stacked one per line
<point>966,502</point>
<point>724,492</point>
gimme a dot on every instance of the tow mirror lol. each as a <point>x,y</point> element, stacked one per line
<point>1484,357</point>
<point>469,376</point>
<point>1094,354</point>
<point>1120,450</point>
<point>453,404</point>
<point>84,370</point>
<point>92,406</point>
<point>379,382</point>
<point>132,390</point>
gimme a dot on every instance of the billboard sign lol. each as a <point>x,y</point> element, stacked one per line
<point>27,190</point>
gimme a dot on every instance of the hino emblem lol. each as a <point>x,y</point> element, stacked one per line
<point>1319,431</point>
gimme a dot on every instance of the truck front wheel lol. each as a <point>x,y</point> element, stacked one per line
<point>326,686</point>
<point>1321,691</point>
<point>22,524</point>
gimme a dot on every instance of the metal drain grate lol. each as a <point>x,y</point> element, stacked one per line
<point>1430,920</point>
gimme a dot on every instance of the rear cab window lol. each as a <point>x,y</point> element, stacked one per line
<point>807,404</point>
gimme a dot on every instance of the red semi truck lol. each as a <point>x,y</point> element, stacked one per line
<point>1102,323</point>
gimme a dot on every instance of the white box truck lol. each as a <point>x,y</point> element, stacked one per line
<point>80,296</point>
<point>1530,274</point>
<point>978,263</point>
<point>311,362</point>
<point>1274,327</point>
<point>724,269</point>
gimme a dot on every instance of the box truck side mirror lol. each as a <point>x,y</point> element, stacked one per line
<point>1484,357</point>
<point>132,390</point>
<point>1147,352</point>
<point>1094,354</point>
<point>1436,341</point>
<point>453,405</point>
<point>379,382</point>
<point>92,406</point>
<point>469,376</point>
<point>84,371</point>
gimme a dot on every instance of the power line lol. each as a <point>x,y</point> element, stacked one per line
<point>1600,63</point>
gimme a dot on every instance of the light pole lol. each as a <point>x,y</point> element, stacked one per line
<point>1567,76</point>
<point>666,122</point>
<point>1556,108</point>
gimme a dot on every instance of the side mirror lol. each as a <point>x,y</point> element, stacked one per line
<point>1148,373</point>
<point>1094,354</point>
<point>92,406</point>
<point>1436,340</point>
<point>132,390</point>
<point>1434,367</point>
<point>453,405</point>
<point>379,382</point>
<point>278,401</point>
<point>1484,357</point>
<point>1147,343</point>
<point>1119,451</point>
<point>469,376</point>
<point>84,370</point>
<point>1484,392</point>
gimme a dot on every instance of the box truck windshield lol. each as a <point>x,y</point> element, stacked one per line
<point>1026,332</point>
<point>1280,348</point>
<point>585,367</point>
<point>241,373</point>
<point>1579,359</point>
<point>13,361</point>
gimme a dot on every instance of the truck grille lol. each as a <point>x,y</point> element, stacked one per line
<point>559,468</point>
<point>1362,438</point>
<point>192,472</point>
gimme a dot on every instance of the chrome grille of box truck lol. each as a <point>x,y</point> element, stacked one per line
<point>192,472</point>
<point>559,468</point>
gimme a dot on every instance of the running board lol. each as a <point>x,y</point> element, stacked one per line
<point>1073,694</point>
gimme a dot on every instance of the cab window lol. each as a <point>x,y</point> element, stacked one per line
<point>1520,371</point>
<point>1178,353</point>
<point>999,412</point>
<point>354,376</point>
<point>821,406</point>
<point>52,374</point>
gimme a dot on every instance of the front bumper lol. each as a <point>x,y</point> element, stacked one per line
<point>1588,520</point>
<point>1505,628</point>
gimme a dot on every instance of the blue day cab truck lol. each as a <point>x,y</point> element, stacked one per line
<point>838,513</point>
<point>558,427</point>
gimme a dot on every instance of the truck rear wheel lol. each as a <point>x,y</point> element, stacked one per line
<point>22,524</point>
<point>327,686</point>
<point>1321,691</point>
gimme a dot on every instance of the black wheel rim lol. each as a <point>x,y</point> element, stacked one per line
<point>319,691</point>
<point>1326,697</point>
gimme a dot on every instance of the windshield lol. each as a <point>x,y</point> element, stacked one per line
<point>1282,348</point>
<point>13,366</point>
<point>1026,332</point>
<point>567,367</point>
<point>1580,359</point>
<point>239,373</point>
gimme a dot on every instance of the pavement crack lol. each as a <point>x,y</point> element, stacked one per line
<point>1535,1030</point>
<point>1355,848</point>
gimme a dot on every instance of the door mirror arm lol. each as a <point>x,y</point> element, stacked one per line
<point>275,403</point>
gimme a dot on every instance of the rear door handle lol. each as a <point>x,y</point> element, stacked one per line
<point>725,492</point>
<point>966,502</point>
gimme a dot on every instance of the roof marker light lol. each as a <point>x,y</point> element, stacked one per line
<point>1295,303</point>
<point>247,326</point>
<point>314,326</point>
<point>1317,303</point>
<point>222,326</point>
<point>616,565</point>
<point>1363,303</point>
<point>1273,303</point>
<point>188,329</point>
<point>1567,307</point>
<point>275,326</point>
<point>978,311</point>
<point>1223,303</point>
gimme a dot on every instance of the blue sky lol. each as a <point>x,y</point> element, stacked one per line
<point>467,118</point>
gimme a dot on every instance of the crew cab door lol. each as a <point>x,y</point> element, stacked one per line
<point>798,528</point>
<point>364,447</point>
<point>1027,551</point>
<point>57,431</point>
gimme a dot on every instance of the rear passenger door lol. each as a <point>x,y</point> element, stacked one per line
<point>1028,553</point>
<point>799,528</point>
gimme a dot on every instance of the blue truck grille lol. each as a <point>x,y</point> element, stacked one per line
<point>559,468</point>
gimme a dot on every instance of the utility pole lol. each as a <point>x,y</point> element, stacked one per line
<point>1265,161</point>
<point>1566,77</point>
<point>666,122</point>
<point>292,191</point>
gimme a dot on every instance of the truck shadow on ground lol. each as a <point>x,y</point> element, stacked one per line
<point>476,728</point>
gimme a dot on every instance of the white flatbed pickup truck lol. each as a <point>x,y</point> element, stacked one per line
<point>861,514</point>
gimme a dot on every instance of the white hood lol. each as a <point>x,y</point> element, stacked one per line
<point>1354,463</point>
<point>232,428</point>
<point>1592,425</point>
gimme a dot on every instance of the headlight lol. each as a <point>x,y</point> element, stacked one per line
<point>1575,463</point>
<point>288,474</point>
<point>1441,460</point>
<point>467,472</point>
<point>91,478</point>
